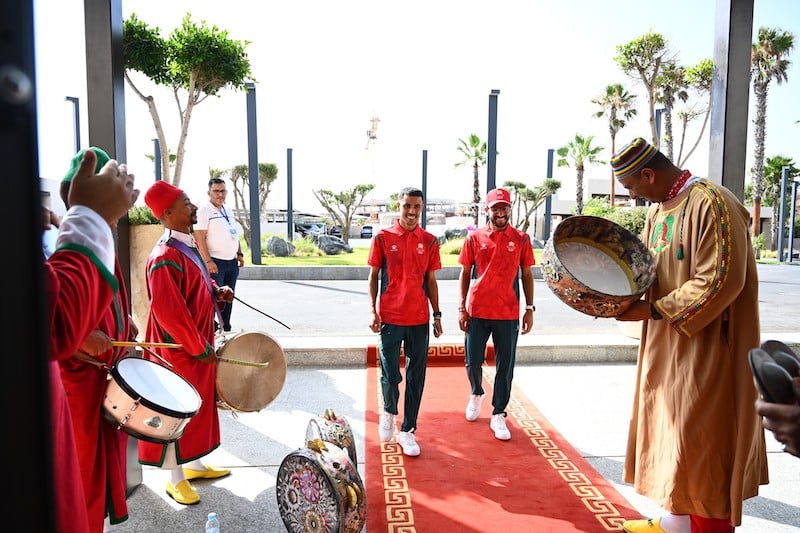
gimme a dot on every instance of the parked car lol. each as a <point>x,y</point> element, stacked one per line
<point>366,232</point>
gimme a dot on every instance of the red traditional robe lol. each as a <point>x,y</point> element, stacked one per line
<point>182,312</point>
<point>79,290</point>
<point>102,448</point>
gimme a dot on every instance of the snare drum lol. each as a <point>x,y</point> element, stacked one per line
<point>149,401</point>
<point>334,429</point>
<point>596,266</point>
<point>319,489</point>
<point>251,371</point>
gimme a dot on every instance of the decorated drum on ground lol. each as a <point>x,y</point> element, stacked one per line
<point>319,490</point>
<point>335,429</point>
<point>596,266</point>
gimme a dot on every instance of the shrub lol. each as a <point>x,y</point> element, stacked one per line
<point>140,215</point>
<point>630,218</point>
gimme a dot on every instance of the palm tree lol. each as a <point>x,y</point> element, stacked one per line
<point>474,152</point>
<point>768,62</point>
<point>579,151</point>
<point>618,105</point>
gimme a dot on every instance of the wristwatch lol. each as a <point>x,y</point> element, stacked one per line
<point>531,307</point>
<point>437,315</point>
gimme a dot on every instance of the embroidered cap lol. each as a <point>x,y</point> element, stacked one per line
<point>160,196</point>
<point>632,158</point>
<point>497,196</point>
<point>75,162</point>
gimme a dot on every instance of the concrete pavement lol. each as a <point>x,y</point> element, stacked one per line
<point>577,370</point>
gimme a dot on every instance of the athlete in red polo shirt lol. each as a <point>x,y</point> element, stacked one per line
<point>496,253</point>
<point>405,259</point>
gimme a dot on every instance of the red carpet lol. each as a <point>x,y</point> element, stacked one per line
<point>466,480</point>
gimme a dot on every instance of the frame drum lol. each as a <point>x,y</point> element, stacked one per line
<point>149,401</point>
<point>251,371</point>
<point>596,266</point>
<point>319,489</point>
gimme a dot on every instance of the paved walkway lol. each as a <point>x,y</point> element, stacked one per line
<point>578,371</point>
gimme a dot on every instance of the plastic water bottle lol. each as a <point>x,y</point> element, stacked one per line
<point>212,524</point>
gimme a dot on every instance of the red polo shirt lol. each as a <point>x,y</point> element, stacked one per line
<point>404,257</point>
<point>497,256</point>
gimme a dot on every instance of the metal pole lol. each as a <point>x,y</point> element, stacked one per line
<point>547,201</point>
<point>657,140</point>
<point>76,120</point>
<point>491,144</point>
<point>252,174</point>
<point>791,220</point>
<point>289,206</point>
<point>157,158</point>
<point>425,187</point>
<point>782,215</point>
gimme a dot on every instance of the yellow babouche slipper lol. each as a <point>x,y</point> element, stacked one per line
<point>653,525</point>
<point>183,493</point>
<point>209,473</point>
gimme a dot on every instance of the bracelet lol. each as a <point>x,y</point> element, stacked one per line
<point>462,310</point>
<point>531,307</point>
<point>239,254</point>
<point>437,315</point>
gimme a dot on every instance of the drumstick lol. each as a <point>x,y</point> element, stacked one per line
<point>245,363</point>
<point>151,352</point>
<point>150,344</point>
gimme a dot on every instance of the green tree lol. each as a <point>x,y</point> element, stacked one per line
<point>240,181</point>
<point>474,152</point>
<point>619,106</point>
<point>768,62</point>
<point>671,86</point>
<point>698,79</point>
<point>195,62</point>
<point>527,200</point>
<point>643,59</point>
<point>773,173</point>
<point>579,152</point>
<point>341,206</point>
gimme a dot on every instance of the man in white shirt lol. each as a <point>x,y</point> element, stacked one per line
<point>218,241</point>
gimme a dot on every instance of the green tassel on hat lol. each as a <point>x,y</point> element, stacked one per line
<point>75,163</point>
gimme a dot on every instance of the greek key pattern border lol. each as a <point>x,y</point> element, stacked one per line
<point>594,501</point>
<point>396,496</point>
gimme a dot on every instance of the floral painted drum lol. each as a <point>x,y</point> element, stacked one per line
<point>596,266</point>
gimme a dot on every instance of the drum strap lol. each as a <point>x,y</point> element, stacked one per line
<point>195,258</point>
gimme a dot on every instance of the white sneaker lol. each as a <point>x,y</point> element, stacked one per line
<point>408,443</point>
<point>474,406</point>
<point>386,427</point>
<point>498,425</point>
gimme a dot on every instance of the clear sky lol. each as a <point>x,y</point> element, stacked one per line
<point>324,69</point>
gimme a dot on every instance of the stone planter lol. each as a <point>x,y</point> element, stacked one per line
<point>142,239</point>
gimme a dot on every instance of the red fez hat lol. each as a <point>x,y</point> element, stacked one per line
<point>160,196</point>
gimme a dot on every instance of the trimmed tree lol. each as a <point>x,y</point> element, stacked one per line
<point>195,62</point>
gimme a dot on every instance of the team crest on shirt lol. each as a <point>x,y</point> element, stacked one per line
<point>420,248</point>
<point>393,248</point>
<point>484,246</point>
<point>511,246</point>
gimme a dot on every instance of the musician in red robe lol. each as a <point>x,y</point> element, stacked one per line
<point>102,448</point>
<point>183,303</point>
<point>80,287</point>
